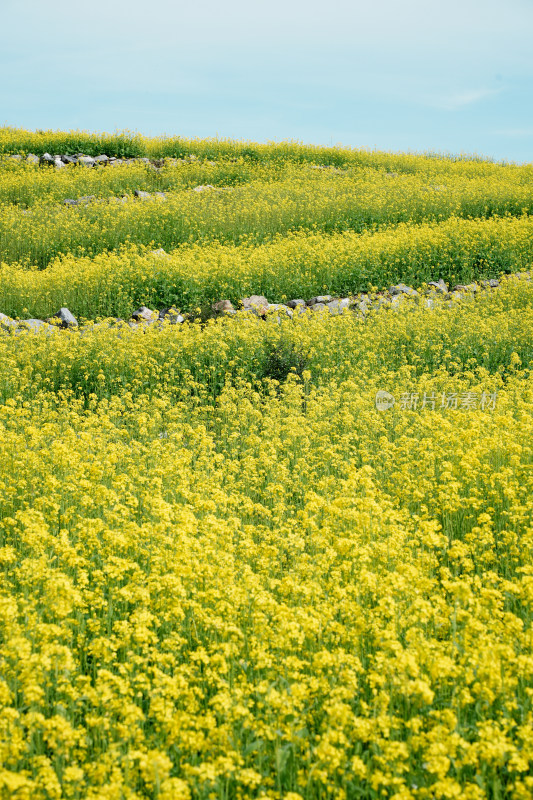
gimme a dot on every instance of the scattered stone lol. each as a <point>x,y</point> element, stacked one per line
<point>468,287</point>
<point>383,302</point>
<point>143,314</point>
<point>80,201</point>
<point>300,310</point>
<point>317,306</point>
<point>46,158</point>
<point>203,188</point>
<point>160,252</point>
<point>86,161</point>
<point>491,284</point>
<point>35,325</point>
<point>280,307</point>
<point>6,322</point>
<point>296,303</point>
<point>401,288</point>
<point>32,159</point>
<point>256,303</point>
<point>223,307</point>
<point>66,318</point>
<point>142,195</point>
<point>439,286</point>
<point>171,315</point>
<point>162,195</point>
<point>339,306</point>
<point>101,159</point>
<point>69,159</point>
<point>363,304</point>
<point>16,157</point>
<point>322,298</point>
<point>455,295</point>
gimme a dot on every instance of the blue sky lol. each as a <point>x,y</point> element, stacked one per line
<point>417,75</point>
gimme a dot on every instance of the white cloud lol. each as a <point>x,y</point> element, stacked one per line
<point>514,133</point>
<point>461,99</point>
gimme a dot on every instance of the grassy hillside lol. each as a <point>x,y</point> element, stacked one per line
<point>225,573</point>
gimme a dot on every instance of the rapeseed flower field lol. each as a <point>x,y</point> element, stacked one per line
<point>225,572</point>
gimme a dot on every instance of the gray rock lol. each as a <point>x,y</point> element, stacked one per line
<point>16,157</point>
<point>142,195</point>
<point>143,313</point>
<point>439,286</point>
<point>101,159</point>
<point>363,305</point>
<point>322,298</point>
<point>32,159</point>
<point>160,252</point>
<point>466,287</point>
<point>69,159</point>
<point>383,302</point>
<point>318,307</point>
<point>115,162</point>
<point>203,188</point>
<point>339,306</point>
<point>86,161</point>
<point>429,302</point>
<point>280,307</point>
<point>171,315</point>
<point>162,195</point>
<point>256,302</point>
<point>59,164</point>
<point>401,288</point>
<point>46,158</point>
<point>455,295</point>
<point>35,325</point>
<point>296,303</point>
<point>66,318</point>
<point>6,322</point>
<point>223,307</point>
<point>80,201</point>
<point>493,283</point>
